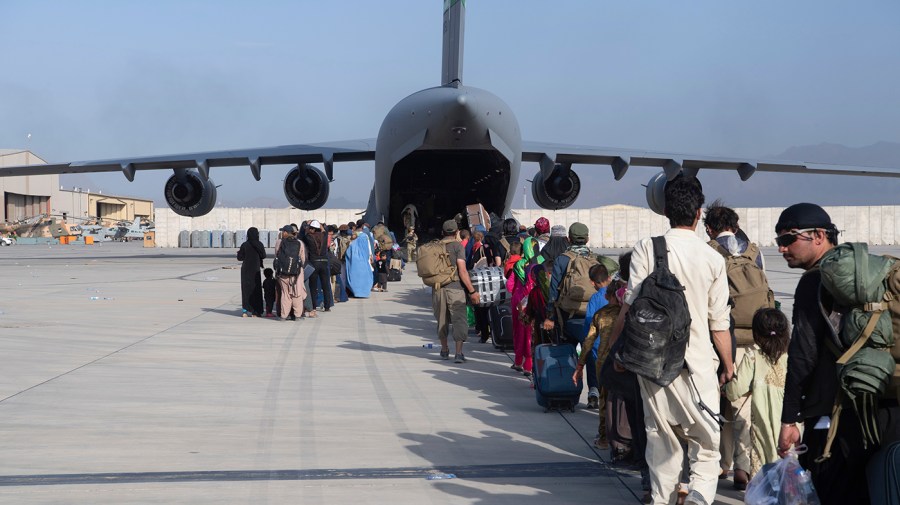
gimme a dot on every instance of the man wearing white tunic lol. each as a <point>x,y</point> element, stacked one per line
<point>674,414</point>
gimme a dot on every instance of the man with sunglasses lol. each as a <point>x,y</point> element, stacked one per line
<point>805,233</point>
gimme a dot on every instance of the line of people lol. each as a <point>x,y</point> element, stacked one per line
<point>751,386</point>
<point>316,266</point>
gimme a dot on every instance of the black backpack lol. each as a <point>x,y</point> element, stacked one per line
<point>287,260</point>
<point>657,325</point>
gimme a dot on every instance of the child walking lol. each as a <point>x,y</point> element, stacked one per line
<point>601,328</point>
<point>270,287</point>
<point>518,287</point>
<point>762,372</point>
<point>381,268</point>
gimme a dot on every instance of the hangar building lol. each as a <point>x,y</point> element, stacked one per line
<point>33,195</point>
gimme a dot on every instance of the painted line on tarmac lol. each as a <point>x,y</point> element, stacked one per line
<point>545,470</point>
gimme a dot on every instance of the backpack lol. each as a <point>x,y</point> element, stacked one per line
<point>576,288</point>
<point>657,325</point>
<point>868,287</point>
<point>287,260</point>
<point>433,264</point>
<point>383,236</point>
<point>748,289</point>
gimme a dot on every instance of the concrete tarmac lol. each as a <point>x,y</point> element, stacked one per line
<point>128,376</point>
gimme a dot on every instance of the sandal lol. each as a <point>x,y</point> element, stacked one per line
<point>312,314</point>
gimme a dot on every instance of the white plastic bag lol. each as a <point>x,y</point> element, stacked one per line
<point>784,482</point>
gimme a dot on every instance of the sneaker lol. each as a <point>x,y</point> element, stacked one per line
<point>445,354</point>
<point>245,314</point>
<point>517,368</point>
<point>593,402</point>
<point>459,358</point>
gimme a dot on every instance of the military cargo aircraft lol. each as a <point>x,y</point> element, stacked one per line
<point>437,150</point>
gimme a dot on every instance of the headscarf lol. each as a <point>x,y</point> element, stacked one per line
<point>253,240</point>
<point>555,246</point>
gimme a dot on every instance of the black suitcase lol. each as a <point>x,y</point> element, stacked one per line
<point>883,474</point>
<point>500,319</point>
<point>394,275</point>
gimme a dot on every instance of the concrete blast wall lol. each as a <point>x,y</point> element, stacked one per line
<point>611,226</point>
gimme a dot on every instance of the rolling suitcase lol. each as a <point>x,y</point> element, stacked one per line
<point>554,366</point>
<point>394,275</point>
<point>500,321</point>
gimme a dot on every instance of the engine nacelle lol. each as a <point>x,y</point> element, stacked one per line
<point>306,187</point>
<point>656,193</point>
<point>189,195</point>
<point>559,191</point>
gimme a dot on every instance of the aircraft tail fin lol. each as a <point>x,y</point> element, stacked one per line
<point>454,31</point>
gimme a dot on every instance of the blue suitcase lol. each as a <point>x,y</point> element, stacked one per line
<point>554,366</point>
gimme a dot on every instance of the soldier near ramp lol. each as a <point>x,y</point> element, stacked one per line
<point>412,240</point>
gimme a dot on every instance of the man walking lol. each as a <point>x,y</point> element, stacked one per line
<point>449,301</point>
<point>686,410</point>
<point>805,234</point>
<point>726,237</point>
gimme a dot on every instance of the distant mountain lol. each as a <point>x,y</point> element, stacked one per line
<point>885,154</point>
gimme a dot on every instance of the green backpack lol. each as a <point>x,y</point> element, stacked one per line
<point>868,288</point>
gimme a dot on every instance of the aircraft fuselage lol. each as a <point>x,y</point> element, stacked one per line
<point>443,148</point>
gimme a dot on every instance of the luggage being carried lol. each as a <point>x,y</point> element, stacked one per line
<point>500,321</point>
<point>867,288</point>
<point>658,324</point>
<point>433,264</point>
<point>618,429</point>
<point>576,288</point>
<point>394,272</point>
<point>490,284</point>
<point>287,260</point>
<point>748,289</point>
<point>554,366</point>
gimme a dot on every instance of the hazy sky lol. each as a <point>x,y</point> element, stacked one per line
<point>100,79</point>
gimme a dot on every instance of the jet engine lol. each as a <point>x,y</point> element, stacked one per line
<point>559,191</point>
<point>190,195</point>
<point>656,193</point>
<point>306,187</point>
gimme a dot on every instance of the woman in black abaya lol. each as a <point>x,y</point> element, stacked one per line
<point>252,254</point>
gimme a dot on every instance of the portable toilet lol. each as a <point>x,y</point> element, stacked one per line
<point>195,238</point>
<point>228,239</point>
<point>216,238</point>
<point>184,238</point>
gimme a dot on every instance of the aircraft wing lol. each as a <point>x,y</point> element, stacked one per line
<point>328,153</point>
<point>621,159</point>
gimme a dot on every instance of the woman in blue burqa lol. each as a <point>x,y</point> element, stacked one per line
<point>359,265</point>
<point>252,253</point>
